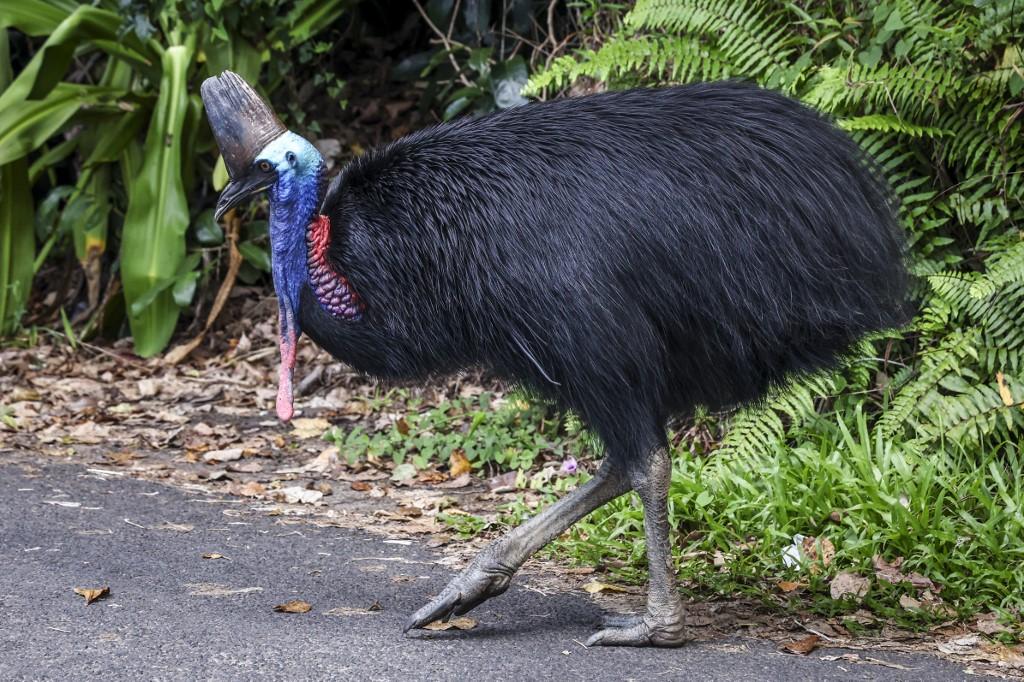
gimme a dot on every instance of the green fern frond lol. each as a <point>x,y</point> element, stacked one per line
<point>887,123</point>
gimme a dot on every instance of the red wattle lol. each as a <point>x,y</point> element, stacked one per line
<point>332,289</point>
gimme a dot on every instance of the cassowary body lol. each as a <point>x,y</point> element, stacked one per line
<point>628,255</point>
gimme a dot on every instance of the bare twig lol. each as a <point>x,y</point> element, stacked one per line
<point>446,40</point>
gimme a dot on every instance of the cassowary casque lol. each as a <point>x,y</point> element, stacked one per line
<point>627,255</point>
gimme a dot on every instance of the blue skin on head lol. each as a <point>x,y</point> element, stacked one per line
<point>294,199</point>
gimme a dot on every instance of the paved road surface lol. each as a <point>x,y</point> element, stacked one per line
<point>165,621</point>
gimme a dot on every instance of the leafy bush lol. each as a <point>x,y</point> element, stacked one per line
<point>128,117</point>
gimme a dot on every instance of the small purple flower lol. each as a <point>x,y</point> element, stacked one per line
<point>568,466</point>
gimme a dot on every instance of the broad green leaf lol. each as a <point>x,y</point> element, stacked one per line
<point>256,256</point>
<point>85,25</point>
<point>220,175</point>
<point>153,237</point>
<point>112,142</point>
<point>25,125</point>
<point>87,213</point>
<point>48,210</point>
<point>184,288</point>
<point>456,107</point>
<point>35,17</point>
<point>17,242</point>
<point>50,158</point>
<point>190,136</point>
<point>237,54</point>
<point>208,232</point>
<point>309,17</point>
<point>188,265</point>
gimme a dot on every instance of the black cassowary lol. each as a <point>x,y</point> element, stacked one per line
<point>629,255</point>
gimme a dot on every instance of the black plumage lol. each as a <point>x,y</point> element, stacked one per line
<point>629,255</point>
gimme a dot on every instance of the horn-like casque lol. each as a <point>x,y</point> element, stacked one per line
<point>242,122</point>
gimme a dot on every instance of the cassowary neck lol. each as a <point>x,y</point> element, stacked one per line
<point>293,203</point>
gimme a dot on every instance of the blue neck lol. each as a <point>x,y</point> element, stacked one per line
<point>293,204</point>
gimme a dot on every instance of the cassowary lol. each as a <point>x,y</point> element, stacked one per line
<point>627,255</point>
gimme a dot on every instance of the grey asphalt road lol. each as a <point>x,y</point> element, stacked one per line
<point>172,615</point>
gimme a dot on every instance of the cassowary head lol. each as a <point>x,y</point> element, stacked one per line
<point>261,154</point>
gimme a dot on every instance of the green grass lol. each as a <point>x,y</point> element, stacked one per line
<point>955,520</point>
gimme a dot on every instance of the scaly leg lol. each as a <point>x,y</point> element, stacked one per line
<point>662,625</point>
<point>490,573</point>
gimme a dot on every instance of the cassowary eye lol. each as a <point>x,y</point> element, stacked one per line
<point>264,166</point>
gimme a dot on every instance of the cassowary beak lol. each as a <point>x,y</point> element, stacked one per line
<point>239,190</point>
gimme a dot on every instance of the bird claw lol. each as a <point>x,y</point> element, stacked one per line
<point>479,582</point>
<point>645,630</point>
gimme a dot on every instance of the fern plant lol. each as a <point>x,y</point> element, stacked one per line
<point>932,90</point>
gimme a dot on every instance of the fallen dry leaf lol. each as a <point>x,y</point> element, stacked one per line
<point>360,486</point>
<point>457,463</point>
<point>788,586</point>
<point>595,586</point>
<point>503,483</point>
<point>305,427</point>
<point>460,481</point>
<point>250,489</point>
<point>226,455</point>
<point>298,495</point>
<point>989,624</point>
<point>431,476</point>
<point>245,467</point>
<point>213,555</point>
<point>849,584</point>
<point>460,623</point>
<point>888,571</point>
<point>818,549</point>
<point>909,603</point>
<point>802,646</point>
<point>91,594</point>
<point>959,645</point>
<point>294,606</point>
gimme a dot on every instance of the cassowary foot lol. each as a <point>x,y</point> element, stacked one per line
<point>481,580</point>
<point>641,630</point>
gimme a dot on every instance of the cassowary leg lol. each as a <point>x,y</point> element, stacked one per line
<point>662,625</point>
<point>490,573</point>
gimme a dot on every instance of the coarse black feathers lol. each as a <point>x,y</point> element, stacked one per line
<point>630,255</point>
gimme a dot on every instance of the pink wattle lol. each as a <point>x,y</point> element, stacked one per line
<point>285,407</point>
